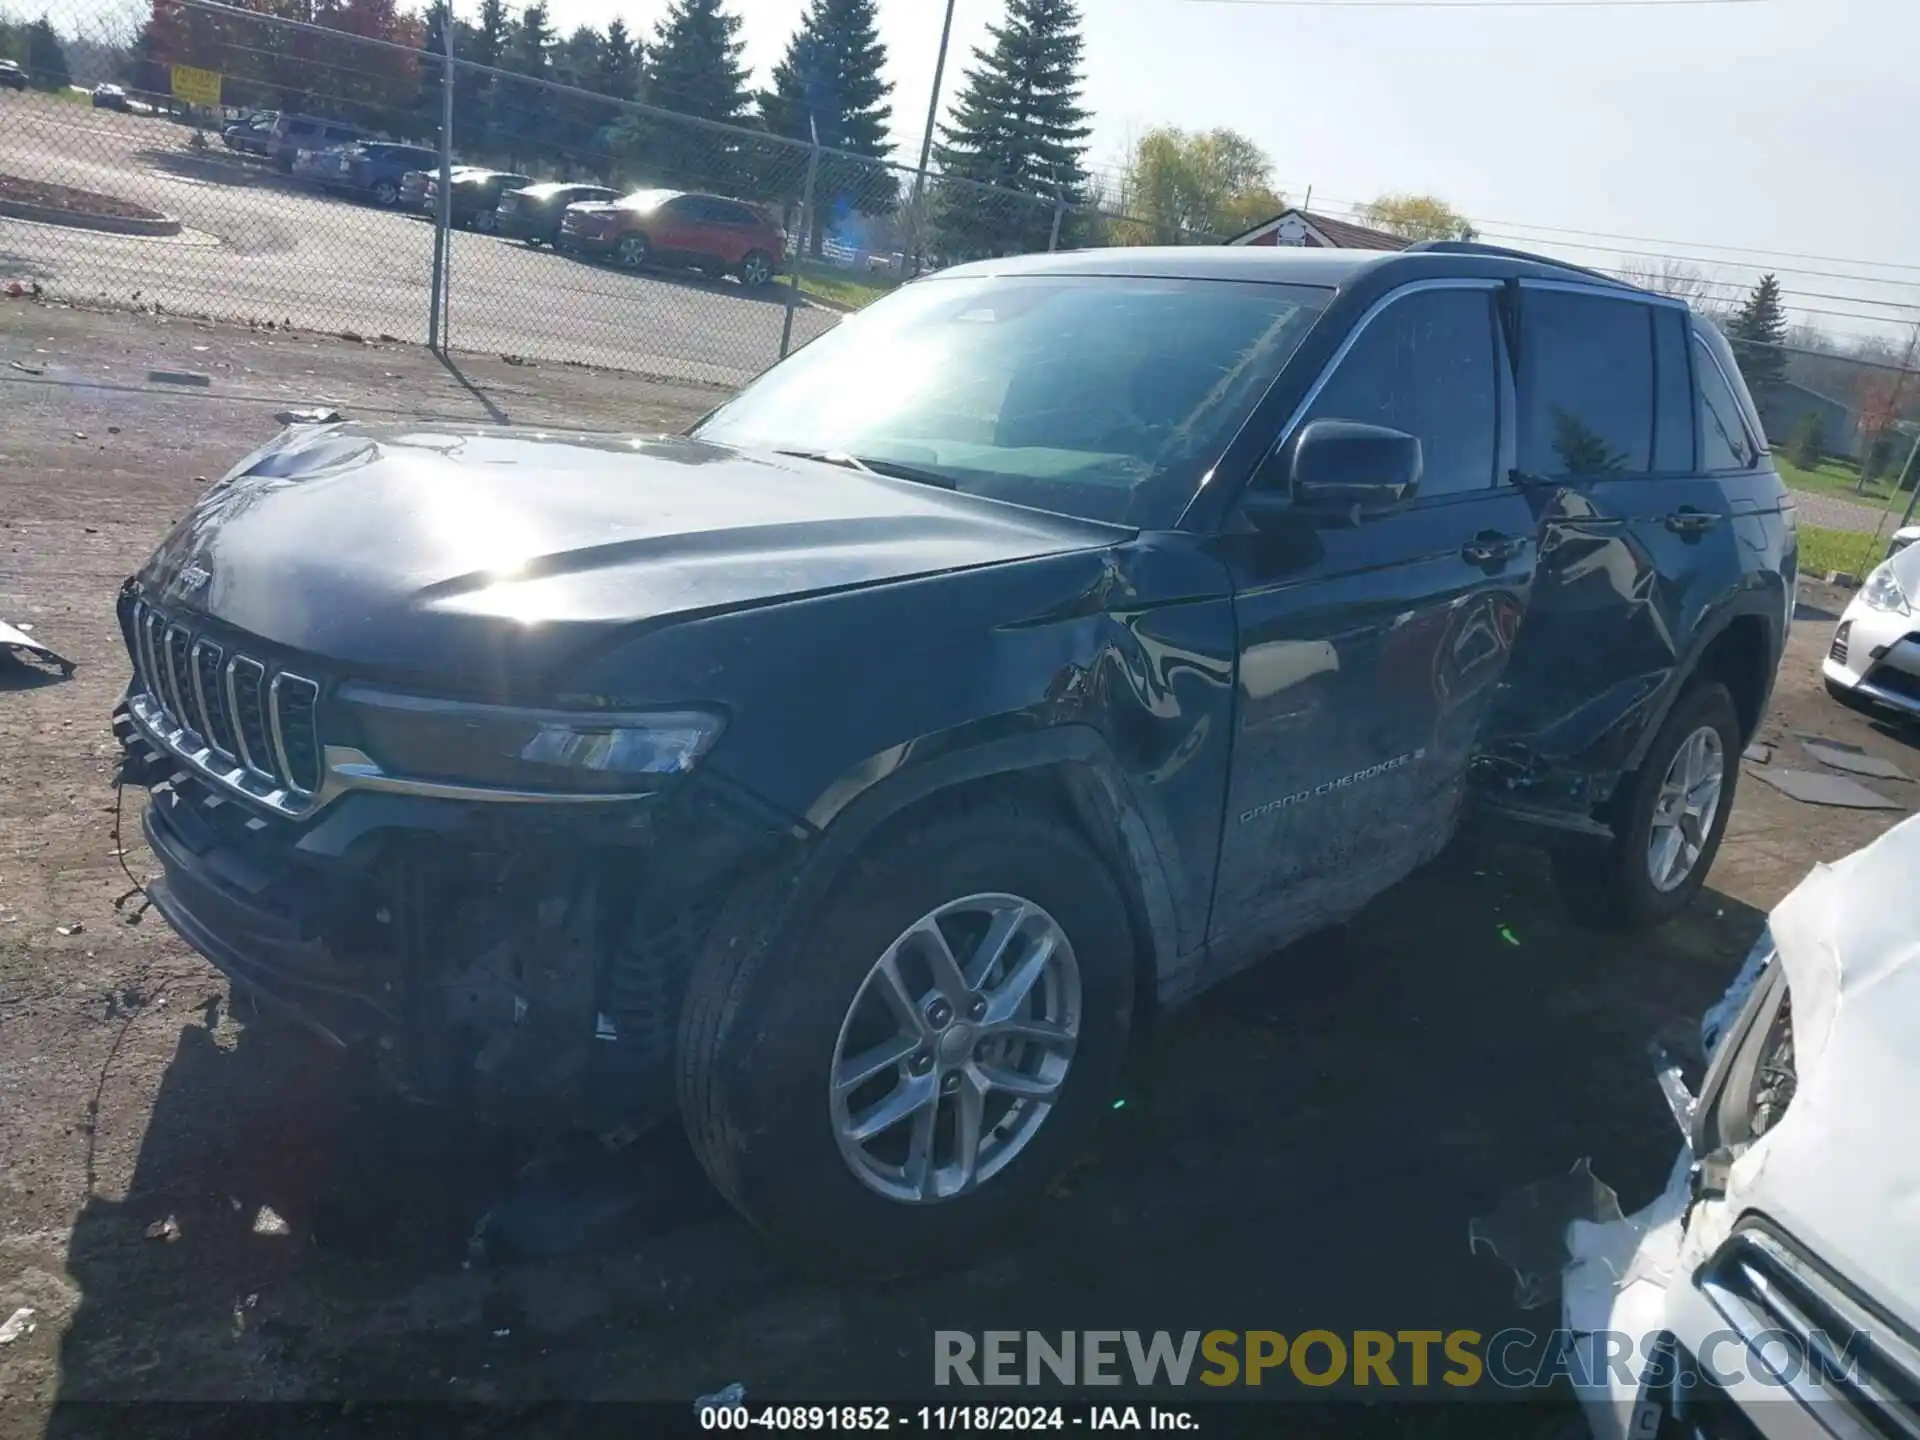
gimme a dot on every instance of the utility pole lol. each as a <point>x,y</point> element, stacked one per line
<point>926,141</point>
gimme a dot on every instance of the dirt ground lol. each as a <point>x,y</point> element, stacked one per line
<point>1303,1148</point>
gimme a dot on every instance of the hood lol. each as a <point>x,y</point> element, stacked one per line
<point>394,551</point>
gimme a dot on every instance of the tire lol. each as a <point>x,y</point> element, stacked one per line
<point>386,193</point>
<point>765,1020</point>
<point>756,270</point>
<point>486,222</point>
<point>631,252</point>
<point>1618,891</point>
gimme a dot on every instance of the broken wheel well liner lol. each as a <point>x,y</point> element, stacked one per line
<point>1066,768</point>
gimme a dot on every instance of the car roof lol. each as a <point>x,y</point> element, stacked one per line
<point>1285,265</point>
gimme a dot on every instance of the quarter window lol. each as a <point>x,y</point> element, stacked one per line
<point>1425,366</point>
<point>1724,442</point>
<point>1586,385</point>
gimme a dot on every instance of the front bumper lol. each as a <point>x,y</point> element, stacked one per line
<point>524,961</point>
<point>1875,655</point>
<point>527,225</point>
<point>590,242</point>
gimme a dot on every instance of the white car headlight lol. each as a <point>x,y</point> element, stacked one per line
<point>1882,591</point>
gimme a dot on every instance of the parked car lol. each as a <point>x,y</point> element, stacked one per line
<point>1873,661</point>
<point>375,168</point>
<point>414,184</point>
<point>672,227</point>
<point>476,195</point>
<point>319,166</point>
<point>1045,642</point>
<point>1773,1289</point>
<point>109,97</point>
<point>251,136</point>
<point>1903,537</point>
<point>534,214</point>
<point>12,77</point>
<point>291,134</point>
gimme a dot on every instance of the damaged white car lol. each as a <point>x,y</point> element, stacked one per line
<point>1774,1288</point>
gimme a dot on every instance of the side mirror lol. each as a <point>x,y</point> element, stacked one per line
<point>1344,467</point>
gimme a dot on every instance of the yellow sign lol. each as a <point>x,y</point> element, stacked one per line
<point>196,87</point>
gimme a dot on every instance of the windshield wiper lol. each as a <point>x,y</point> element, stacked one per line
<point>893,469</point>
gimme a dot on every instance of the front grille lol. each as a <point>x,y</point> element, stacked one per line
<point>1837,652</point>
<point>251,726</point>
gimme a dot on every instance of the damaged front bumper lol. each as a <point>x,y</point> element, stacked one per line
<point>1773,1288</point>
<point>523,961</point>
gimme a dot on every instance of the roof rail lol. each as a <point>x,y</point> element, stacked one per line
<point>1474,247</point>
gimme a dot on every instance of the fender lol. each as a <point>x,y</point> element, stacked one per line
<point>851,810</point>
<point>1744,602</point>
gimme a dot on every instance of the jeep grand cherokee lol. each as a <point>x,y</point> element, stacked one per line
<point>856,771</point>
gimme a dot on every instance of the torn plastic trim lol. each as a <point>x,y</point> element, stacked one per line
<point>12,638</point>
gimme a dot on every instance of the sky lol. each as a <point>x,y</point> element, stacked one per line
<point>1784,126</point>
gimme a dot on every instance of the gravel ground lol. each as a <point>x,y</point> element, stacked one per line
<point>1302,1148</point>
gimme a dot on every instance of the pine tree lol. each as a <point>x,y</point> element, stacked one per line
<point>46,59</point>
<point>521,112</point>
<point>426,106</point>
<point>576,119</point>
<point>831,80</point>
<point>476,127</point>
<point>1757,333</point>
<point>620,62</point>
<point>1018,125</point>
<point>694,67</point>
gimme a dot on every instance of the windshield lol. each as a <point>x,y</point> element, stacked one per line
<point>1104,397</point>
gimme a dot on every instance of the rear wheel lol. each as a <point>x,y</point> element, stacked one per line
<point>1671,815</point>
<point>756,269</point>
<point>486,222</point>
<point>926,1053</point>
<point>632,251</point>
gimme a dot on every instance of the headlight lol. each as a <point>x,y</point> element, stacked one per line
<point>564,751</point>
<point>1882,590</point>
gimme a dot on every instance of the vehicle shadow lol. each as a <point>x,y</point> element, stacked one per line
<point>231,168</point>
<point>1302,1149</point>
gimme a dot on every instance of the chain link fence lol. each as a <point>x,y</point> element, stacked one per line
<point>295,172</point>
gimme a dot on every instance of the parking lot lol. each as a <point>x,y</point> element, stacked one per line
<point>1304,1148</point>
<point>257,246</point>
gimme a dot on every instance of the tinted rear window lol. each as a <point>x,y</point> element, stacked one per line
<point>1586,384</point>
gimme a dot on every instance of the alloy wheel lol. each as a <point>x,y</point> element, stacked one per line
<point>1684,811</point>
<point>484,222</point>
<point>756,271</point>
<point>633,252</point>
<point>955,1048</point>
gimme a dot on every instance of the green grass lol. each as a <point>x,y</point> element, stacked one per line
<point>1822,550</point>
<point>1832,477</point>
<point>842,287</point>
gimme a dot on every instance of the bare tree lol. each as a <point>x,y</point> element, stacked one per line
<point>1678,280</point>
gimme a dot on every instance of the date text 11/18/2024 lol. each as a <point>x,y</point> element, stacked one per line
<point>945,1418</point>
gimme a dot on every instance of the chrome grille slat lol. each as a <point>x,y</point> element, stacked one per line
<point>204,665</point>
<point>243,722</point>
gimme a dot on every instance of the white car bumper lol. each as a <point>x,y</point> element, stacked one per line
<point>1875,654</point>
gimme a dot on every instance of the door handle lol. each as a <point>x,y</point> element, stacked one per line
<point>1490,547</point>
<point>1688,521</point>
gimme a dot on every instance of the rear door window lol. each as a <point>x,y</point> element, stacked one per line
<point>1586,384</point>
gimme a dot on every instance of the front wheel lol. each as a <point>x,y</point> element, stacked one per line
<point>485,222</point>
<point>632,251</point>
<point>756,269</point>
<point>926,1054</point>
<point>386,193</point>
<point>1671,815</point>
